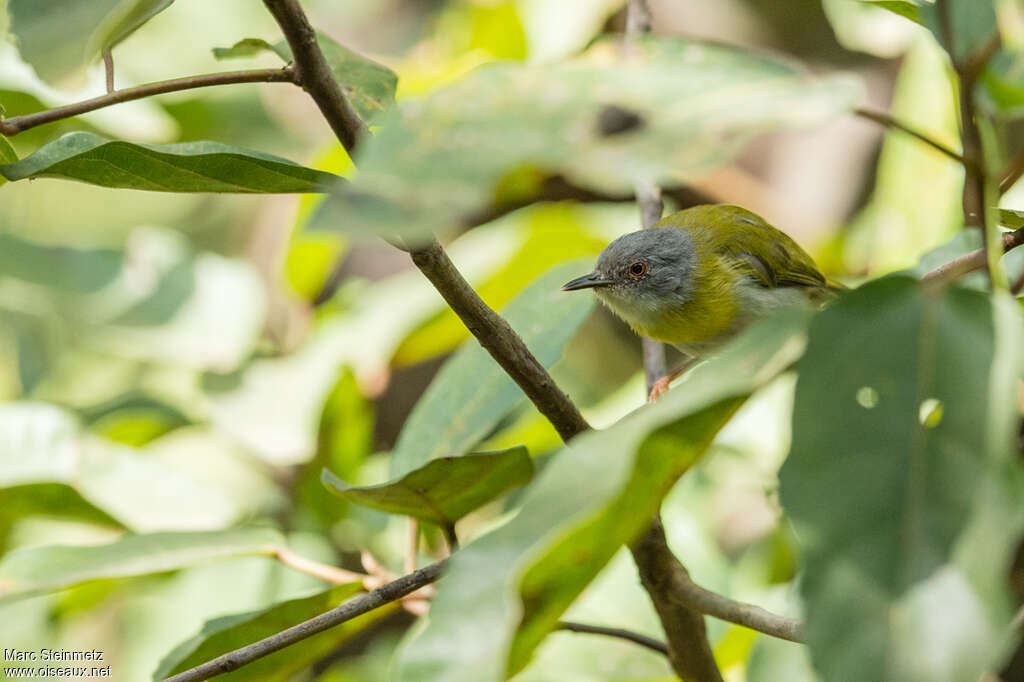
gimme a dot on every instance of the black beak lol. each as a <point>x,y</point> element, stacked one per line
<point>586,282</point>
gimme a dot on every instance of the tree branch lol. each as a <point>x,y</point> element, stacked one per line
<point>313,73</point>
<point>500,340</point>
<point>628,635</point>
<point>886,119</point>
<point>364,603</point>
<point>975,260</point>
<point>17,124</point>
<point>692,595</point>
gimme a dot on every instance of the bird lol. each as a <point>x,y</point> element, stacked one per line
<point>700,276</point>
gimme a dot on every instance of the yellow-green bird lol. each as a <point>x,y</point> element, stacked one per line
<point>698,277</point>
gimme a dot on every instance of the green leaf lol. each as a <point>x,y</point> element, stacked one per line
<point>902,469</point>
<point>600,119</point>
<point>1011,219</point>
<point>445,489</point>
<point>368,85</point>
<point>247,47</point>
<point>133,418</point>
<point>60,37</point>
<point>973,22</point>
<point>228,633</point>
<point>32,570</point>
<point>43,448</point>
<point>904,8</point>
<point>183,167</point>
<point>70,269</point>
<point>471,393</point>
<point>595,494</point>
<point>7,153</point>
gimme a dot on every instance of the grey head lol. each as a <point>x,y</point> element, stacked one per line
<point>641,273</point>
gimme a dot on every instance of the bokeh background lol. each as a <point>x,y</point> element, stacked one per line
<point>168,345</point>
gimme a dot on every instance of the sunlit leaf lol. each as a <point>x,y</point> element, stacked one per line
<point>597,493</point>
<point>32,570</point>
<point>133,419</point>
<point>901,461</point>
<point>472,393</point>
<point>183,167</point>
<point>368,85</point>
<point>444,489</point>
<point>438,161</point>
<point>228,633</point>
<point>60,37</point>
<point>7,153</point>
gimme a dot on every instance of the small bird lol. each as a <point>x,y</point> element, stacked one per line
<point>698,277</point>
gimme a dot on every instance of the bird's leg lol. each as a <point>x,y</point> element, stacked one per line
<point>660,387</point>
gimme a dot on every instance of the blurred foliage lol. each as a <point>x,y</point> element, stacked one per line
<point>172,397</point>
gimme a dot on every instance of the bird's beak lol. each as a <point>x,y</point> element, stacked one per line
<point>586,282</point>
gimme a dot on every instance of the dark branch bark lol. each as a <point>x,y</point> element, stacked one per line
<point>17,124</point>
<point>313,73</point>
<point>689,650</point>
<point>500,340</point>
<point>357,606</point>
<point>628,635</point>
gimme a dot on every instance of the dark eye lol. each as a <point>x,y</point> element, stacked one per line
<point>638,269</point>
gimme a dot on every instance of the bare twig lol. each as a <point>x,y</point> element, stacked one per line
<point>885,119</point>
<point>500,340</point>
<point>313,73</point>
<point>17,124</point>
<point>108,70</point>
<point>357,606</point>
<point>975,260</point>
<point>331,574</point>
<point>629,635</point>
<point>1012,173</point>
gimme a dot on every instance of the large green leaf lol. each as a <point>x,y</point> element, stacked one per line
<point>901,469</point>
<point>183,167</point>
<point>595,494</point>
<point>60,37</point>
<point>32,570</point>
<point>228,633</point>
<point>471,393</point>
<point>904,8</point>
<point>971,23</point>
<point>445,489</point>
<point>45,455</point>
<point>673,111</point>
<point>71,269</point>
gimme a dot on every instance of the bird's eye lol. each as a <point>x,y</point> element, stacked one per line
<point>638,269</point>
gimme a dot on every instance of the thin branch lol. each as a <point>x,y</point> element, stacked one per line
<point>975,260</point>
<point>886,119</point>
<point>500,340</point>
<point>357,606</point>
<point>1012,174</point>
<point>450,536</point>
<point>17,124</point>
<point>628,635</point>
<point>108,70</point>
<point>331,574</point>
<point>313,73</point>
<point>692,595</point>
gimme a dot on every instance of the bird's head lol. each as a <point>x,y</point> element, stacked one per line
<point>642,274</point>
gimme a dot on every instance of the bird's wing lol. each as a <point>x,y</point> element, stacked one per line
<point>754,248</point>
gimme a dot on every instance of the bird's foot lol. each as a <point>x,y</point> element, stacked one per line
<point>659,388</point>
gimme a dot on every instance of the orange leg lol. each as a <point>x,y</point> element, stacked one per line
<point>660,386</point>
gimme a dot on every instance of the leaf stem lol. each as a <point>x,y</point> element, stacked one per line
<point>975,260</point>
<point>331,574</point>
<point>108,70</point>
<point>17,124</point>
<point>450,537</point>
